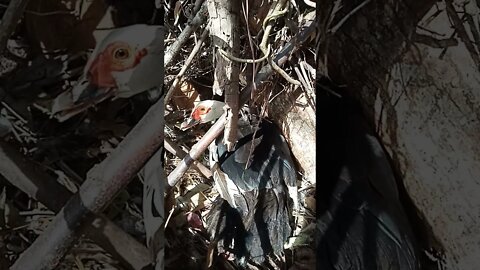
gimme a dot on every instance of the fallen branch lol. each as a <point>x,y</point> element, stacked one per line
<point>281,58</point>
<point>279,10</point>
<point>186,65</point>
<point>462,32</point>
<point>473,28</point>
<point>174,49</point>
<point>178,151</point>
<point>196,151</point>
<point>29,178</point>
<point>103,183</point>
<point>434,42</point>
<point>223,30</point>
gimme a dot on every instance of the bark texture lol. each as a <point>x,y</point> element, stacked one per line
<point>425,108</point>
<point>224,18</point>
<point>298,126</point>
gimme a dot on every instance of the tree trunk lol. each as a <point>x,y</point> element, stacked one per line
<point>425,109</point>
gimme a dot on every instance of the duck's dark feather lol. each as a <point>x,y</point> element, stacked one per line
<point>269,164</point>
<point>361,222</point>
<point>259,222</point>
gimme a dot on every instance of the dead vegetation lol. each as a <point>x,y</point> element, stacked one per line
<point>274,85</point>
<point>43,161</point>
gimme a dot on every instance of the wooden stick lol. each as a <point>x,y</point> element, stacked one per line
<point>200,147</point>
<point>174,49</point>
<point>462,32</point>
<point>196,151</point>
<point>103,183</point>
<point>36,183</point>
<point>178,151</point>
<point>187,63</point>
<point>224,31</point>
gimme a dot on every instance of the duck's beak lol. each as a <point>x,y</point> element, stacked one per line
<point>83,90</point>
<point>188,123</point>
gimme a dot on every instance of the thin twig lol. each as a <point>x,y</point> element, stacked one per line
<point>292,46</point>
<point>335,28</point>
<point>434,42</point>
<point>174,49</point>
<point>186,65</point>
<point>473,29</point>
<point>242,60</point>
<point>462,33</point>
<point>267,27</point>
<point>12,111</point>
<point>178,151</point>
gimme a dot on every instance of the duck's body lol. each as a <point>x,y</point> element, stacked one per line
<point>255,221</point>
<point>251,217</point>
<point>361,222</point>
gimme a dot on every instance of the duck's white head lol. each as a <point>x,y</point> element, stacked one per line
<point>205,111</point>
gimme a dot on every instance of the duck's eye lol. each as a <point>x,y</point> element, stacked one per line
<point>121,53</point>
<point>202,109</point>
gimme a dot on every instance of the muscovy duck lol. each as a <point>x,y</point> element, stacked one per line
<point>251,218</point>
<point>361,223</point>
<point>125,62</point>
